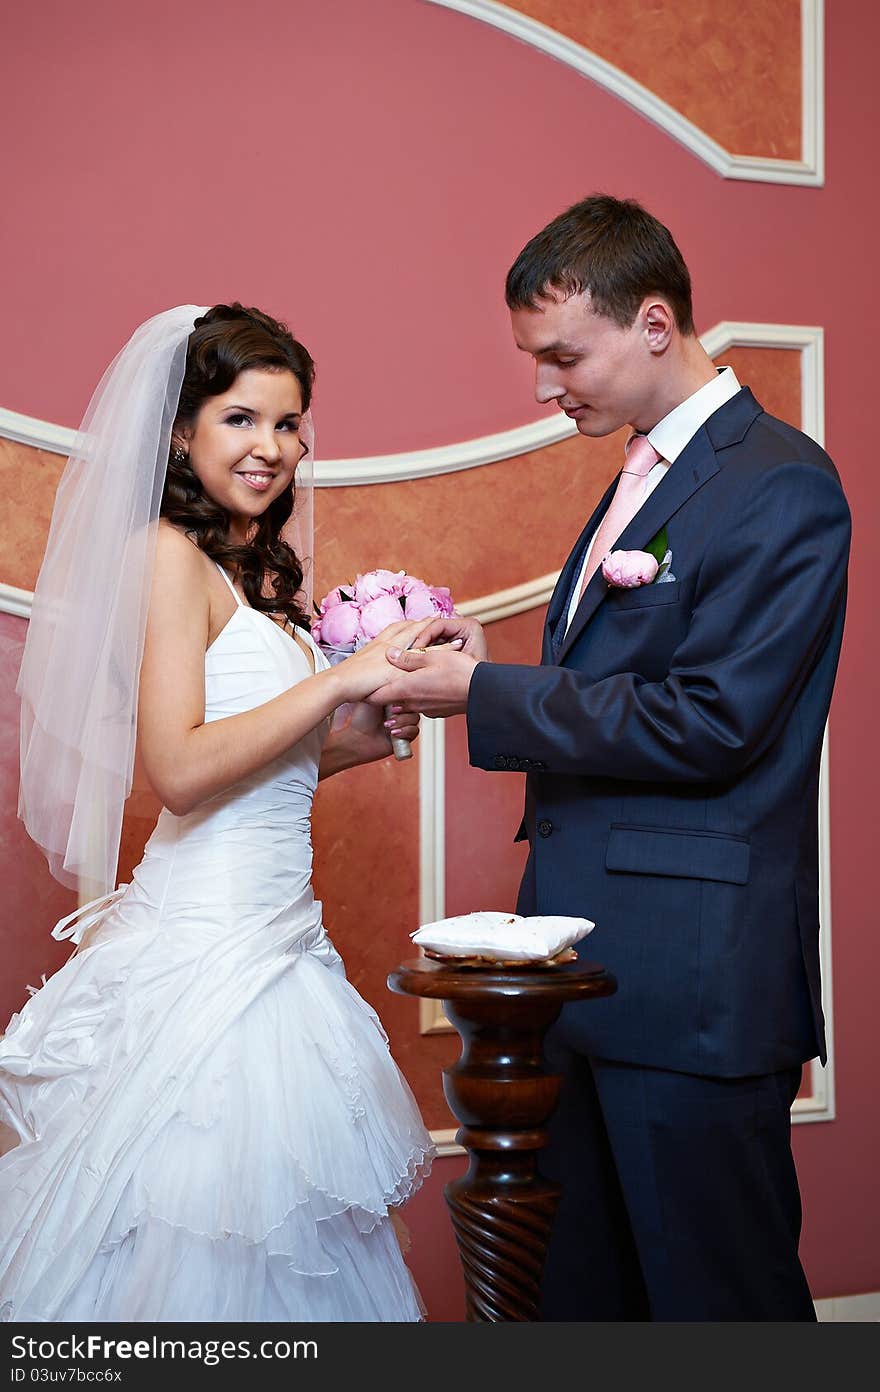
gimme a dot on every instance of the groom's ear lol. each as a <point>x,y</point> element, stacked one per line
<point>659,323</point>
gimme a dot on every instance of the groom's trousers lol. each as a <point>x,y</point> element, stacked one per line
<point>680,1199</point>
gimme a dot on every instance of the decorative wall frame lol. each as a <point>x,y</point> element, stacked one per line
<point>809,169</point>
<point>818,1103</point>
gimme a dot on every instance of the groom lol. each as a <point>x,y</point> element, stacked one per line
<point>671,736</point>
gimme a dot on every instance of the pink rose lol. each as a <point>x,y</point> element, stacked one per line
<point>443,598</point>
<point>379,613</point>
<point>335,597</point>
<point>428,602</point>
<point>626,570</point>
<point>412,585</point>
<point>340,626</point>
<point>316,630</point>
<point>377,583</point>
<point>412,582</point>
<point>421,604</point>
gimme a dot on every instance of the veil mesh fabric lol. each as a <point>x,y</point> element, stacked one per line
<point>79,676</point>
<point>299,533</point>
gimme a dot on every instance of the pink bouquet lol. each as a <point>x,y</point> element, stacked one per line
<point>353,614</point>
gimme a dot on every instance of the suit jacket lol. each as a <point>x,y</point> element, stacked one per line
<point>672,749</point>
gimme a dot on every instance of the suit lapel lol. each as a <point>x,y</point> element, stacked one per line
<point>557,605</point>
<point>692,468</point>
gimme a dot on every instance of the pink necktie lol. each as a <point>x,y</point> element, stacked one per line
<point>629,495</point>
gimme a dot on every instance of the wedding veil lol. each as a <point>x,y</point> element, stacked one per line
<point>79,676</point>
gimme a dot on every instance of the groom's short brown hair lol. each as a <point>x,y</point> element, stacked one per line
<point>614,249</point>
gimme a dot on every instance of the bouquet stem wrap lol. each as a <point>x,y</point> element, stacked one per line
<point>401,748</point>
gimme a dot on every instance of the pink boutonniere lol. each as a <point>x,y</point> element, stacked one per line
<point>626,570</point>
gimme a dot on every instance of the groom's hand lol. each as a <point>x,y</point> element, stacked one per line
<point>468,631</point>
<point>434,681</point>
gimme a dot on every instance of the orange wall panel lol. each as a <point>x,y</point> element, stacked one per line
<point>32,901</point>
<point>477,531</point>
<point>774,375</point>
<point>734,71</point>
<point>28,480</point>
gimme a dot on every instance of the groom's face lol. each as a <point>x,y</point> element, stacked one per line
<point>596,372</point>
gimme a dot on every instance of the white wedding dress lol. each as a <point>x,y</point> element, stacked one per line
<point>210,1125</point>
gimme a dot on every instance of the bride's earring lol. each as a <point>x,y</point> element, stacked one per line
<point>178,455</point>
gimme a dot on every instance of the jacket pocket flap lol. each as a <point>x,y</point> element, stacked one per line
<point>692,855</point>
<point>645,596</point>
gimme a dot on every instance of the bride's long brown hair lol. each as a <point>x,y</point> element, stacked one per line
<point>226,341</point>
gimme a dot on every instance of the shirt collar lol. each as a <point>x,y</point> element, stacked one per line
<point>673,432</point>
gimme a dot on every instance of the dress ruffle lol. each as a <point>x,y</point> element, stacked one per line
<point>210,1125</point>
<point>173,1161</point>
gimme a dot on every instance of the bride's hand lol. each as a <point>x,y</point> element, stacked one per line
<point>366,731</point>
<point>368,669</point>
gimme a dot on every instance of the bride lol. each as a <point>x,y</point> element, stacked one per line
<point>205,1120</point>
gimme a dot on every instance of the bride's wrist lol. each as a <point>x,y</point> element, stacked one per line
<point>336,686</point>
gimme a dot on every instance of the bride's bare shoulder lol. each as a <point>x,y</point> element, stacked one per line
<point>178,555</point>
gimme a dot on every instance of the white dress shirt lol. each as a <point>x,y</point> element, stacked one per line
<point>669,437</point>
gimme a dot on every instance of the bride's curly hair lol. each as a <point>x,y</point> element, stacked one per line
<point>225,341</point>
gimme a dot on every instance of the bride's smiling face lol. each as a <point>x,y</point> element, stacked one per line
<point>244,446</point>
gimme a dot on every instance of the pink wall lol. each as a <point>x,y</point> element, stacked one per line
<point>31,900</point>
<point>369,172</point>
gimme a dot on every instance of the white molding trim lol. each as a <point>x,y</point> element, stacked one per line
<point>813,88</point>
<point>809,340</point>
<point>506,444</point>
<point>432,849</point>
<point>849,1309</point>
<point>819,1103</point>
<point>39,434</point>
<point>517,600</point>
<point>15,601</point>
<point>340,473</point>
<point>809,169</point>
<point>444,459</point>
<point>446,1143</point>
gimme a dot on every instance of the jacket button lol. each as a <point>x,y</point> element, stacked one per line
<point>500,761</point>
<point>545,828</point>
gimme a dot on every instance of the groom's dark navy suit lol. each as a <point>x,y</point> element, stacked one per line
<point>672,742</point>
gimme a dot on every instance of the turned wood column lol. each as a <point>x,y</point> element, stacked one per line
<point>503,1095</point>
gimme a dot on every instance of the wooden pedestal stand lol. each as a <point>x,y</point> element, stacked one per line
<point>503,1096</point>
